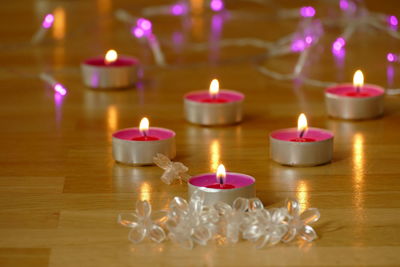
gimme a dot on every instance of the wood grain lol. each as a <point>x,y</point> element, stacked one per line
<point>61,191</point>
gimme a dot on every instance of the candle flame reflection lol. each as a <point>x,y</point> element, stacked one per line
<point>358,166</point>
<point>302,195</point>
<point>358,183</point>
<point>215,151</point>
<point>112,119</point>
<point>145,192</point>
<point>59,23</point>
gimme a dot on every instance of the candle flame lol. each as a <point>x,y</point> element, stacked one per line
<point>302,124</point>
<point>111,56</point>
<point>358,79</point>
<point>144,126</point>
<point>221,174</point>
<point>214,88</point>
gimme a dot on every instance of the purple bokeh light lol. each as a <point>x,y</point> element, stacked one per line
<point>298,45</point>
<point>137,32</point>
<point>393,22</point>
<point>390,73</point>
<point>178,9</point>
<point>309,40</point>
<point>144,24</point>
<point>59,88</point>
<point>48,21</point>
<point>391,57</point>
<point>338,44</point>
<point>216,5</point>
<point>307,11</point>
<point>344,4</point>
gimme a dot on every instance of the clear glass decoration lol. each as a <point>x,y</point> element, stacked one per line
<point>192,222</point>
<point>173,170</point>
<point>298,223</point>
<point>267,228</point>
<point>233,220</point>
<point>143,223</point>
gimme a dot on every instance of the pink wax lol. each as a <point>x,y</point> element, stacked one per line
<point>224,96</point>
<point>145,138</point>
<point>292,135</point>
<point>348,90</point>
<point>232,181</point>
<point>153,134</point>
<point>122,61</point>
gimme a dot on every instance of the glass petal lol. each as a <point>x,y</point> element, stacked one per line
<point>290,235</point>
<point>309,216</point>
<point>279,215</point>
<point>308,233</point>
<point>156,233</point>
<point>128,219</point>
<point>240,204</point>
<point>292,207</point>
<point>161,161</point>
<point>252,232</point>
<point>137,234</point>
<point>255,204</point>
<point>223,208</point>
<point>179,167</point>
<point>159,216</point>
<point>179,205</point>
<point>143,208</point>
<point>201,235</point>
<point>262,241</point>
<point>168,176</point>
<point>263,217</point>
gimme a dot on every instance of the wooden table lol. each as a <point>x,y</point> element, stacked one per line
<point>61,191</point>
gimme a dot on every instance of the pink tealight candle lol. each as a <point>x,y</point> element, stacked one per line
<point>222,186</point>
<point>355,101</point>
<point>138,146</point>
<point>301,146</point>
<point>110,72</point>
<point>213,107</point>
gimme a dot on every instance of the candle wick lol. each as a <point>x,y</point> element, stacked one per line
<point>302,133</point>
<point>358,89</point>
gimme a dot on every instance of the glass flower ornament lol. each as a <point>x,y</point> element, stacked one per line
<point>268,227</point>
<point>190,223</point>
<point>143,223</point>
<point>233,220</point>
<point>298,223</point>
<point>173,170</point>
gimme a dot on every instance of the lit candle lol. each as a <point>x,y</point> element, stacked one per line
<point>355,101</point>
<point>222,186</point>
<point>110,72</point>
<point>214,107</point>
<point>138,146</point>
<point>301,146</point>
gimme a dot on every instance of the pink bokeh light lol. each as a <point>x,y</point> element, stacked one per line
<point>307,11</point>
<point>137,32</point>
<point>48,21</point>
<point>216,5</point>
<point>59,88</point>
<point>178,9</point>
<point>391,57</point>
